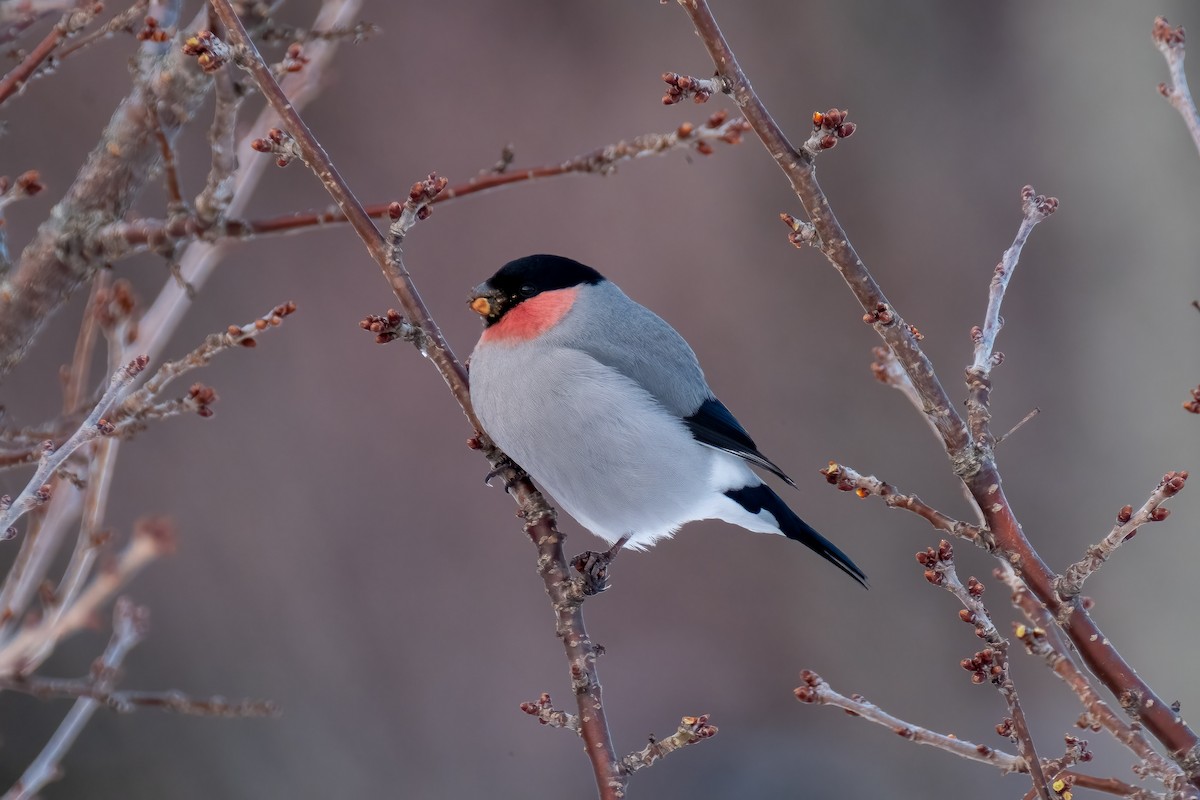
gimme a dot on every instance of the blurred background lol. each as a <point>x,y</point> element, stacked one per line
<point>341,555</point>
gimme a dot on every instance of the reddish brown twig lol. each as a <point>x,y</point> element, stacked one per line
<point>991,663</point>
<point>973,461</point>
<point>538,516</point>
<point>123,238</point>
<point>848,480</point>
<point>1042,638</point>
<point>1169,42</point>
<point>71,23</point>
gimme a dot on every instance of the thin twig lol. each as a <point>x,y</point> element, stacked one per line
<point>691,730</point>
<point>816,690</point>
<point>142,404</point>
<point>547,714</point>
<point>57,261</point>
<point>129,626</point>
<point>1020,424</point>
<point>1128,522</point>
<point>125,702</point>
<point>538,516</point>
<point>71,23</point>
<point>990,664</point>
<point>152,538</point>
<point>1169,42</point>
<point>1035,208</point>
<point>121,22</point>
<point>973,461</point>
<point>847,479</point>
<point>37,491</point>
<point>1042,638</point>
<point>125,237</point>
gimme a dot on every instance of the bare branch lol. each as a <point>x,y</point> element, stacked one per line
<point>125,702</point>
<point>129,626</point>
<point>37,491</point>
<point>1042,638</point>
<point>71,23</point>
<point>58,260</point>
<point>144,404</point>
<point>847,480</point>
<point>538,516</point>
<point>1169,42</point>
<point>152,538</point>
<point>991,663</point>
<point>972,460</point>
<point>547,714</point>
<point>1128,522</point>
<point>125,237</point>
<point>690,731</point>
<point>816,690</point>
<point>1035,209</point>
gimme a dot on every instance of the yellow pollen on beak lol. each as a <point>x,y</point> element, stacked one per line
<point>481,306</point>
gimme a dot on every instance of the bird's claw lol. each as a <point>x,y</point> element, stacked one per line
<point>506,464</point>
<point>593,567</point>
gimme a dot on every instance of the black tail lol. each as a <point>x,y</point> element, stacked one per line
<point>760,498</point>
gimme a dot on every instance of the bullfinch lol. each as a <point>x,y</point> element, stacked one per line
<point>605,405</point>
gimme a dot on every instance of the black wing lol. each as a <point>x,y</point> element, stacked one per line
<point>713,425</point>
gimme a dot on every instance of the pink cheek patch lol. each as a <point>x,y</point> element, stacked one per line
<point>532,318</point>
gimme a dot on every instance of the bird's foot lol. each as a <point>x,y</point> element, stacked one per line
<point>505,464</point>
<point>593,567</point>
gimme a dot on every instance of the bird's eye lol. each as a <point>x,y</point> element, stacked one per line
<point>528,290</point>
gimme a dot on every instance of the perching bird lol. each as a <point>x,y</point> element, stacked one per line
<point>605,405</point>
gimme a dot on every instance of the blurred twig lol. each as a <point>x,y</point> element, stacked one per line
<point>125,237</point>
<point>1169,42</point>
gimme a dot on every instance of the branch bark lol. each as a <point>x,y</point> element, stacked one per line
<point>973,461</point>
<point>538,516</point>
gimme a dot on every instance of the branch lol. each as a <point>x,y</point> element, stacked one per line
<point>145,403</point>
<point>815,690</point>
<point>1128,522</point>
<point>1042,638</point>
<point>152,538</point>
<point>71,23</point>
<point>126,237</point>
<point>37,491</point>
<point>991,663</point>
<point>846,480</point>
<point>1035,209</point>
<point>538,516</point>
<point>58,259</point>
<point>129,626</point>
<point>690,731</point>
<point>1169,42</point>
<point>126,702</point>
<point>973,461</point>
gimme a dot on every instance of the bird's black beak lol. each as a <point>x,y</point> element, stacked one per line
<point>485,301</point>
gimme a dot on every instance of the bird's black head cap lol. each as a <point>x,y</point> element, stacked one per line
<point>530,276</point>
<point>527,277</point>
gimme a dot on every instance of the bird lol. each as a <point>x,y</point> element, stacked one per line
<point>605,405</point>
